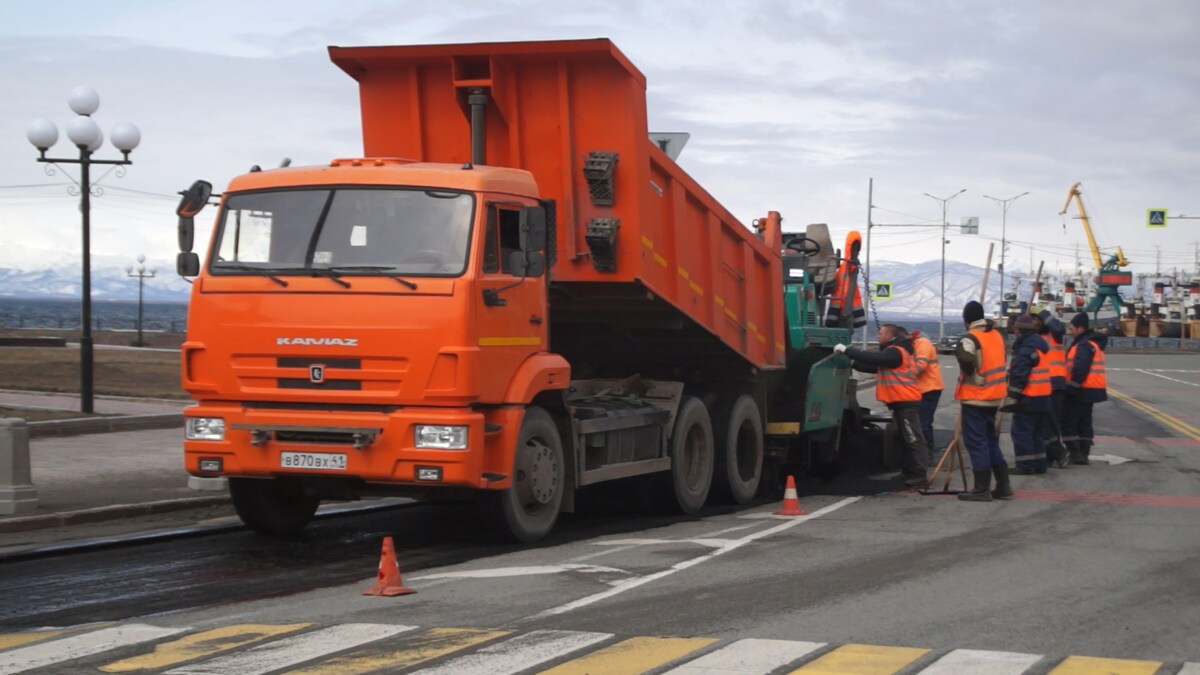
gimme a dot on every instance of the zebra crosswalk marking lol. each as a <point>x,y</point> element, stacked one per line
<point>632,656</point>
<point>751,656</point>
<point>519,653</point>
<point>1089,665</point>
<point>979,662</point>
<point>293,650</point>
<point>18,639</point>
<point>431,644</point>
<point>51,652</point>
<point>202,644</point>
<point>862,659</point>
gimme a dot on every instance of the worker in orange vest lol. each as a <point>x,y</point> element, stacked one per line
<point>929,383</point>
<point>1028,396</point>
<point>981,390</point>
<point>896,386</point>
<point>846,288</point>
<point>1052,331</point>
<point>1087,385</point>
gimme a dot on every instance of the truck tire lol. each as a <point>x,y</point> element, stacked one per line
<point>269,506</point>
<point>531,506</point>
<point>739,462</point>
<point>691,455</point>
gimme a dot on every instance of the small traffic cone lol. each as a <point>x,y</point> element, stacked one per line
<point>791,503</point>
<point>388,583</point>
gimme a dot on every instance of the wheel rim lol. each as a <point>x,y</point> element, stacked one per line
<point>537,478</point>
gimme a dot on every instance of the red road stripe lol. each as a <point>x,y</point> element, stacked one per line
<point>1170,442</point>
<point>1169,501</point>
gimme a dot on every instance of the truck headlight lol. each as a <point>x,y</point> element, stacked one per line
<point>204,429</point>
<point>439,437</point>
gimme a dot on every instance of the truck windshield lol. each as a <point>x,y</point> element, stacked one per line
<point>363,231</point>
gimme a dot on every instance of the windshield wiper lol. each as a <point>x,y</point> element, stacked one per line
<point>374,268</point>
<point>251,268</point>
<point>330,274</point>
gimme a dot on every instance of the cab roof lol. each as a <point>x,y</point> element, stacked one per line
<point>392,171</point>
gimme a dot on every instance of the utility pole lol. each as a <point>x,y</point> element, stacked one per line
<point>1004,204</point>
<point>942,312</point>
<point>1157,260</point>
<point>867,267</point>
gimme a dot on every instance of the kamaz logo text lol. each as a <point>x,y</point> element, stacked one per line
<point>321,342</point>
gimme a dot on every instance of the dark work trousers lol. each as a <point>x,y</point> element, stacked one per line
<point>1052,424</point>
<point>1077,420</point>
<point>979,435</point>
<point>929,404</point>
<point>916,451</point>
<point>1027,443</point>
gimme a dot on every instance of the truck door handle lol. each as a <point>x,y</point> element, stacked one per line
<point>535,320</point>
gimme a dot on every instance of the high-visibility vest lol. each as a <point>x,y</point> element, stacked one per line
<point>991,369</point>
<point>929,379</point>
<point>1096,377</point>
<point>1057,357</point>
<point>898,385</point>
<point>1039,377</point>
<point>845,292</point>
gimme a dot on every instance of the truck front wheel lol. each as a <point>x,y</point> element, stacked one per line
<point>531,505</point>
<point>269,506</point>
<point>739,461</point>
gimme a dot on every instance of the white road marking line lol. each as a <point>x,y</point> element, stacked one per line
<point>51,652</point>
<point>520,653</point>
<point>1156,370</point>
<point>699,541</point>
<point>748,657</point>
<point>1190,669</point>
<point>979,662</point>
<point>1113,460</point>
<point>733,545</point>
<point>499,572</point>
<point>293,650</point>
<point>1140,370</point>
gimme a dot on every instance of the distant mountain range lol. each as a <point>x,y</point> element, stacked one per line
<point>916,288</point>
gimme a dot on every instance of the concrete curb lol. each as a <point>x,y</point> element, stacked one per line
<point>103,425</point>
<point>102,513</point>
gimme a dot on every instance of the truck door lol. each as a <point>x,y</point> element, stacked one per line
<point>515,325</point>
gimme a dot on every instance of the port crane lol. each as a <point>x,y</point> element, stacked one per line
<point>1109,276</point>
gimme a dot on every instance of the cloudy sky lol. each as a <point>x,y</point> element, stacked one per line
<point>792,106</point>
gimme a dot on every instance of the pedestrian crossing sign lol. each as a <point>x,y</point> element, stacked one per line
<point>1156,217</point>
<point>883,290</point>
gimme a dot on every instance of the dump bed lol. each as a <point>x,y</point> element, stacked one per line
<point>573,113</point>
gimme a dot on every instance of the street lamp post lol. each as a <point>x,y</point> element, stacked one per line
<point>141,273</point>
<point>1004,203</point>
<point>85,135</point>
<point>942,313</point>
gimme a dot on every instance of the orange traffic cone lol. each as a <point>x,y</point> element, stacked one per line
<point>791,503</point>
<point>388,582</point>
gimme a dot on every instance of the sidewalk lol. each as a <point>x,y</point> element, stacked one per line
<point>103,476</point>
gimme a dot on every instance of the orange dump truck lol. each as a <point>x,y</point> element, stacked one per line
<point>513,294</point>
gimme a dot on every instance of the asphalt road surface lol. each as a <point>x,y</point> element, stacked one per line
<point>1090,569</point>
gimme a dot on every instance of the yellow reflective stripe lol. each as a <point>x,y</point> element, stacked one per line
<point>203,644</point>
<point>15,639</point>
<point>1087,665</point>
<point>632,656</point>
<point>432,644</point>
<point>509,341</point>
<point>863,659</point>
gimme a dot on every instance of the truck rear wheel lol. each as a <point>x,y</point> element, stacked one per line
<point>270,506</point>
<point>691,455</point>
<point>739,461</point>
<point>530,507</point>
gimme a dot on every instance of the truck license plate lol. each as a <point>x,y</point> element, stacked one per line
<point>319,461</point>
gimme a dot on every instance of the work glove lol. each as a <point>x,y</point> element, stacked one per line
<point>1010,404</point>
<point>839,349</point>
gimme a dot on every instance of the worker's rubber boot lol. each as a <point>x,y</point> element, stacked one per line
<point>1076,453</point>
<point>1085,450</point>
<point>982,491</point>
<point>1003,487</point>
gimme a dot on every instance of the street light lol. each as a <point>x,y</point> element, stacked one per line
<point>142,274</point>
<point>85,135</point>
<point>942,314</point>
<point>1003,237</point>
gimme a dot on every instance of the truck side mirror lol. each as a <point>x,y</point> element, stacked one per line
<point>527,263</point>
<point>187,234</point>
<point>187,264</point>
<point>533,228</point>
<point>195,198</point>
